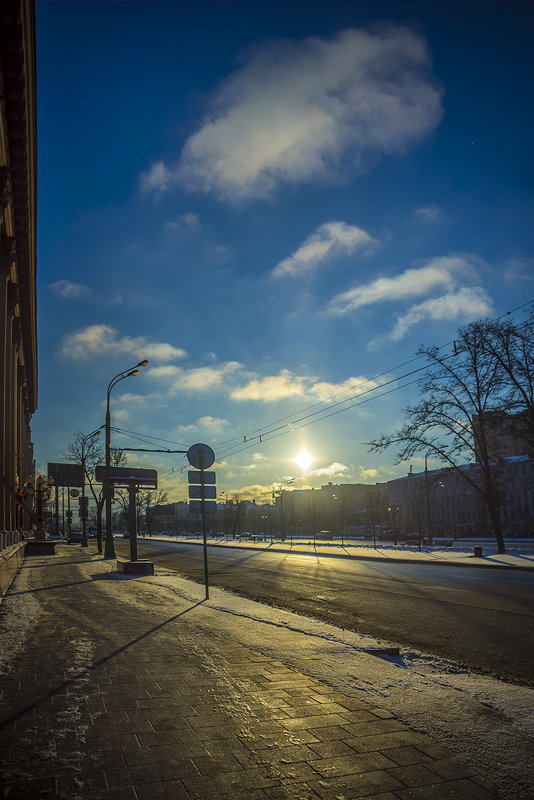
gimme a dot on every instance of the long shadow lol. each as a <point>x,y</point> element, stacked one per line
<point>88,670</point>
<point>97,577</point>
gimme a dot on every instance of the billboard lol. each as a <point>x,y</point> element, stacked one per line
<point>66,474</point>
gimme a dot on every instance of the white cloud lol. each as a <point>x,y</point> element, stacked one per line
<point>100,339</point>
<point>443,273</point>
<point>272,388</point>
<point>69,289</point>
<point>158,178</point>
<point>328,241</point>
<point>197,379</point>
<point>331,471</point>
<point>186,428</point>
<point>464,305</point>
<point>298,111</point>
<point>212,422</point>
<point>429,214</point>
<point>189,220</point>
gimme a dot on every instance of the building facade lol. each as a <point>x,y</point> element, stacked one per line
<point>443,502</point>
<point>18,220</point>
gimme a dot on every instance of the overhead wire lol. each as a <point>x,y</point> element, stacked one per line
<point>300,419</point>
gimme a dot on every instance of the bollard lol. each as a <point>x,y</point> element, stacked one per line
<point>477,551</point>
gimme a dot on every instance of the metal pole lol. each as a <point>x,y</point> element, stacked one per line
<point>57,510</point>
<point>132,521</point>
<point>427,492</point>
<point>84,522</point>
<point>204,539</point>
<point>109,547</point>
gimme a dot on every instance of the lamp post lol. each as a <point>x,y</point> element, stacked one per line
<point>41,492</point>
<point>109,547</point>
<point>281,493</point>
<point>85,439</point>
<point>427,493</point>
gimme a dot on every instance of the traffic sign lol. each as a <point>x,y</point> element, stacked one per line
<point>200,456</point>
<point>201,477</point>
<point>195,506</point>
<point>210,492</point>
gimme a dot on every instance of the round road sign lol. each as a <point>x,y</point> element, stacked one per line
<point>200,456</point>
<point>74,493</point>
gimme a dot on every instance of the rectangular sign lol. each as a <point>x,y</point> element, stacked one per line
<point>128,476</point>
<point>195,477</point>
<point>195,507</point>
<point>210,492</point>
<point>66,474</point>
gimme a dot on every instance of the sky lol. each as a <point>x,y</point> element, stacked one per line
<point>276,204</point>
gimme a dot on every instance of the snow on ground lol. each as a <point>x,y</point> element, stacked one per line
<point>20,613</point>
<point>489,723</point>
<point>519,553</point>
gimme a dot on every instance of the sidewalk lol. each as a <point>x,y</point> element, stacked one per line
<point>106,695</point>
<point>461,555</point>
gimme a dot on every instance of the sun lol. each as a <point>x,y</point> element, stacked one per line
<point>304,459</point>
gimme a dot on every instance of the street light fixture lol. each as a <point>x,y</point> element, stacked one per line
<point>109,547</point>
<point>85,439</point>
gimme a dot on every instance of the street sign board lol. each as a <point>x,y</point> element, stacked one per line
<point>200,456</point>
<point>210,492</point>
<point>128,477</point>
<point>201,477</point>
<point>66,474</point>
<point>195,506</point>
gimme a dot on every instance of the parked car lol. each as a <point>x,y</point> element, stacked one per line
<point>74,536</point>
<point>126,535</point>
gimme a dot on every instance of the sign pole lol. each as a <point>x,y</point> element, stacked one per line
<point>132,521</point>
<point>204,537</point>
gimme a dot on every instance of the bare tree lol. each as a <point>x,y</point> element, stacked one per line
<point>91,453</point>
<point>511,345</point>
<point>456,388</point>
<point>148,501</point>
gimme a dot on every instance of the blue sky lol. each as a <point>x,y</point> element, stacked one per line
<point>276,204</point>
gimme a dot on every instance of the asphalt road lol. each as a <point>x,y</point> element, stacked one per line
<point>480,618</point>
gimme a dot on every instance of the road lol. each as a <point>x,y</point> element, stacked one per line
<point>480,618</point>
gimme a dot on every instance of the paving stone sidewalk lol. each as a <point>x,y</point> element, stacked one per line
<point>109,701</point>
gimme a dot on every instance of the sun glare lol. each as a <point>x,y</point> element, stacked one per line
<point>304,459</point>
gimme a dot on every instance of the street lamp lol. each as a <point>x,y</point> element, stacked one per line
<point>85,439</point>
<point>109,548</point>
<point>41,492</point>
<point>281,493</point>
<point>427,493</point>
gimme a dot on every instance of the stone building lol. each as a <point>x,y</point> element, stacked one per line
<point>18,219</point>
<point>443,502</point>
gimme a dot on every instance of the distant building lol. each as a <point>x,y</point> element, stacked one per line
<point>446,501</point>
<point>506,434</point>
<point>18,220</point>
